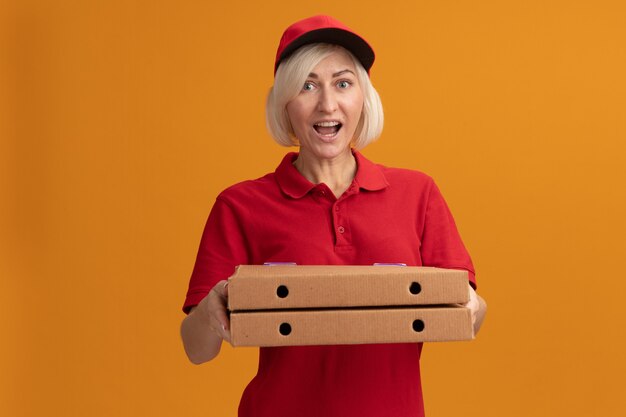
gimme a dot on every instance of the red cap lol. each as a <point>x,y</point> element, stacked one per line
<point>327,30</point>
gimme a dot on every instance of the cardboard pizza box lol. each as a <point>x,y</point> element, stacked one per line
<point>351,326</point>
<point>259,287</point>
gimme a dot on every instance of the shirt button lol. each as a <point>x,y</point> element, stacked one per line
<point>336,208</point>
<point>341,229</point>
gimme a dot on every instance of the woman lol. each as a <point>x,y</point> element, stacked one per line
<point>326,204</point>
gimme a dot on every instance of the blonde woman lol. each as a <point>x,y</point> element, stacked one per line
<point>325,204</point>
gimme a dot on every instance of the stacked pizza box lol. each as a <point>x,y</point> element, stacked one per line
<point>289,305</point>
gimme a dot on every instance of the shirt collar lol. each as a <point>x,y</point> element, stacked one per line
<point>369,176</point>
<point>289,179</point>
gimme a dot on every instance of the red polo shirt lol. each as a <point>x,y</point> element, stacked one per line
<point>387,215</point>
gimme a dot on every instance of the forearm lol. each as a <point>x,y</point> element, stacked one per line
<point>200,341</point>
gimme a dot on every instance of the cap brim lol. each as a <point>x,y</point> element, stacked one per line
<point>353,43</point>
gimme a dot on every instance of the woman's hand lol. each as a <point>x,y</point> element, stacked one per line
<point>207,325</point>
<point>213,308</point>
<point>478,308</point>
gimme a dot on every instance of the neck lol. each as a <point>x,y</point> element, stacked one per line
<point>337,173</point>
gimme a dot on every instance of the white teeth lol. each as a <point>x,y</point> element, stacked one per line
<point>327,124</point>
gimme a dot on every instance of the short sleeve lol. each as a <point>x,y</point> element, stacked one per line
<point>222,248</point>
<point>442,246</point>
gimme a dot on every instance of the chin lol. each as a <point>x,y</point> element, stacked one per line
<point>330,150</point>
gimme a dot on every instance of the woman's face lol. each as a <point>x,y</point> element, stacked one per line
<point>325,114</point>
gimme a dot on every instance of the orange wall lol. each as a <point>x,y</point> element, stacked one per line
<point>121,120</point>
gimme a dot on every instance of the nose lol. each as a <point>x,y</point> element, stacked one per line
<point>327,102</point>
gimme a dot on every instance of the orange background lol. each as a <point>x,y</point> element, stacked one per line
<point>122,120</point>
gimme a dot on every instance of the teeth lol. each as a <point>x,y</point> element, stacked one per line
<point>327,124</point>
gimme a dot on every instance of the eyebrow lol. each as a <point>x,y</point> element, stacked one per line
<point>337,74</point>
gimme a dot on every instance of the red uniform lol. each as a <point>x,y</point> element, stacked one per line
<point>387,215</point>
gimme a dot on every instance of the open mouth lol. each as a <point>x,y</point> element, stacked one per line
<point>327,129</point>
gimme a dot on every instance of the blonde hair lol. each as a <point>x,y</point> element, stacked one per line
<point>288,81</point>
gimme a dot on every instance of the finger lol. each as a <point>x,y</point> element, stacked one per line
<point>218,327</point>
<point>219,288</point>
<point>222,319</point>
<point>227,336</point>
<point>473,304</point>
<point>474,307</point>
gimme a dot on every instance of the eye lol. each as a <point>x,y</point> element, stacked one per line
<point>344,84</point>
<point>308,86</point>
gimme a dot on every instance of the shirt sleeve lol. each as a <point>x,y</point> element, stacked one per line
<point>442,246</point>
<point>222,248</point>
